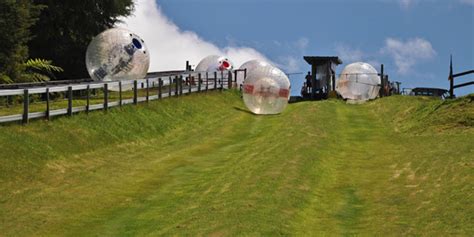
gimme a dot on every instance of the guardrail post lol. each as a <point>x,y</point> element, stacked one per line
<point>69,101</point>
<point>160,84</point>
<point>48,110</point>
<point>106,96</point>
<point>147,90</point>
<point>135,92</point>
<point>88,98</point>
<point>120,93</point>
<point>26,106</point>
<point>199,82</point>
<point>215,80</point>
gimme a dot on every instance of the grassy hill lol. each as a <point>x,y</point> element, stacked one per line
<point>203,165</point>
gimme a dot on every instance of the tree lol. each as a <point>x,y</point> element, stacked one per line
<point>65,28</point>
<point>16,18</point>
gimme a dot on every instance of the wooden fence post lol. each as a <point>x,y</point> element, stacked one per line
<point>135,92</point>
<point>48,110</point>
<point>169,87</point>
<point>69,101</point>
<point>215,80</point>
<point>160,84</point>
<point>451,78</point>
<point>235,78</point>
<point>199,82</point>
<point>88,98</point>
<point>229,80</point>
<point>106,97</point>
<point>147,90</point>
<point>26,106</point>
<point>382,90</point>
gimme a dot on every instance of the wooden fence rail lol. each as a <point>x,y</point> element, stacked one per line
<point>153,88</point>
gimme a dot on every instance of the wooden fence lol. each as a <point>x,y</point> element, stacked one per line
<point>153,88</point>
<point>453,76</point>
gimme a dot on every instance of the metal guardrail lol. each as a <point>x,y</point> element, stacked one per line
<point>177,84</point>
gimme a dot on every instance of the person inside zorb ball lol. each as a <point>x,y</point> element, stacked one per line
<point>117,54</point>
<point>266,90</point>
<point>358,82</point>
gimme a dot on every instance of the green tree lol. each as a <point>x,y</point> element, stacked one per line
<point>16,18</point>
<point>65,28</point>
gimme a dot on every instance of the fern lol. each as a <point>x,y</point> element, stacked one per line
<point>4,79</point>
<point>38,70</point>
<point>42,65</point>
<point>34,77</point>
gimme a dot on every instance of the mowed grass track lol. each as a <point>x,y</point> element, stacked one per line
<point>202,165</point>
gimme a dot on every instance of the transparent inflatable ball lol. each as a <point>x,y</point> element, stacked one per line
<point>266,90</point>
<point>117,54</point>
<point>359,82</point>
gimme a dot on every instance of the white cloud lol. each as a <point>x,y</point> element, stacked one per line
<point>289,64</point>
<point>290,54</point>
<point>407,54</point>
<point>348,54</point>
<point>170,47</point>
<point>302,43</point>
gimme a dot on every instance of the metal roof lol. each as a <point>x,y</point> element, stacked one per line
<point>322,59</point>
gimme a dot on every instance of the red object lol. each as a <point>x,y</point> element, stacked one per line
<point>284,93</point>
<point>248,89</point>
<point>226,64</point>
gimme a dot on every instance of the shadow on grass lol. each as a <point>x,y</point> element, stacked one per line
<point>243,110</point>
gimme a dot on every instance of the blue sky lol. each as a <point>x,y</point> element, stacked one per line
<point>413,38</point>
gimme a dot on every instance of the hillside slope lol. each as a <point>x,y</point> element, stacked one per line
<point>203,165</point>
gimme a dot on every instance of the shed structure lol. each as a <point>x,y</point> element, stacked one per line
<point>323,76</point>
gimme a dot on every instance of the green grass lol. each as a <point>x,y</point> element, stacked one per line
<point>202,165</point>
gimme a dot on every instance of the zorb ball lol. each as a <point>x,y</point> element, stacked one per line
<point>266,90</point>
<point>359,82</point>
<point>253,64</point>
<point>250,66</point>
<point>117,54</point>
<point>214,63</point>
